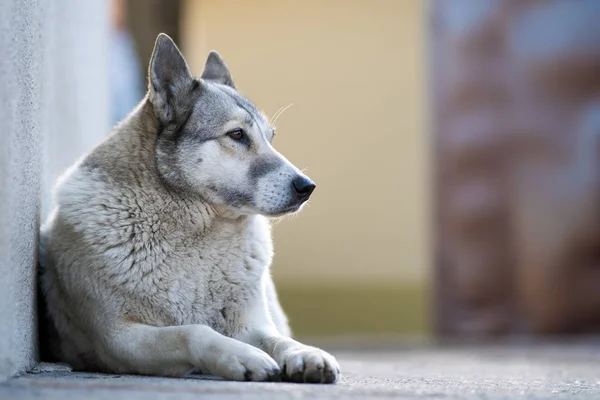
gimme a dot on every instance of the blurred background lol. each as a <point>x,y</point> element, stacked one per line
<point>454,144</point>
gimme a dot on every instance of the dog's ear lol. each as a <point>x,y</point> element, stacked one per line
<point>169,77</point>
<point>216,70</point>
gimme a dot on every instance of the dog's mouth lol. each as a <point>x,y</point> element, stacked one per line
<point>287,210</point>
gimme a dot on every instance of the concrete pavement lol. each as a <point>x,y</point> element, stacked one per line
<point>421,372</point>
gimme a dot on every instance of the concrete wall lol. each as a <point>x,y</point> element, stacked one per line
<point>53,105</point>
<point>355,72</point>
<point>21,129</point>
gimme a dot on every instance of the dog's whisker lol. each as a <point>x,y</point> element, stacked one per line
<point>276,113</point>
<point>281,111</point>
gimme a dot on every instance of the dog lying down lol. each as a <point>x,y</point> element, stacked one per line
<point>156,258</point>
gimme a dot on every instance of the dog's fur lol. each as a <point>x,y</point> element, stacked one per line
<point>156,258</point>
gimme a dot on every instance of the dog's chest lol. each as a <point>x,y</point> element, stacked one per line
<point>213,279</point>
<point>229,281</point>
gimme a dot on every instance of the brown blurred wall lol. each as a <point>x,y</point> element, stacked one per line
<point>354,71</point>
<point>145,19</point>
<point>517,131</point>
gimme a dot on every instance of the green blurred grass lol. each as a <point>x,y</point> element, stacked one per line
<point>356,310</point>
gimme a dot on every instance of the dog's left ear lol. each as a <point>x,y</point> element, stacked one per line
<point>169,78</point>
<point>216,70</point>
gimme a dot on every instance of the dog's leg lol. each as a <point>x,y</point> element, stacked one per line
<point>277,314</point>
<point>176,350</point>
<point>298,362</point>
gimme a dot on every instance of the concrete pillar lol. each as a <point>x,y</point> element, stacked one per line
<point>21,43</point>
<point>53,107</point>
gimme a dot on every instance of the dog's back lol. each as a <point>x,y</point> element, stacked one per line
<point>91,199</point>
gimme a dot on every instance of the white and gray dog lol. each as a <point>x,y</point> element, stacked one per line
<point>156,258</point>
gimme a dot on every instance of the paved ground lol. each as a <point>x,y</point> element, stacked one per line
<point>515,372</point>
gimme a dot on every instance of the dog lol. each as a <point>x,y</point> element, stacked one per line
<point>155,259</point>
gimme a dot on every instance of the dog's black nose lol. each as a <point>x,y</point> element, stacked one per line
<point>303,186</point>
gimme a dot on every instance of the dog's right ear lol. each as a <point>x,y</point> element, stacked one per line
<point>169,78</point>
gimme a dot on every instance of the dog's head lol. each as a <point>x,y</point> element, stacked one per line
<point>214,142</point>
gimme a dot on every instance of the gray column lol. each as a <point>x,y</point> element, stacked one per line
<point>21,44</point>
<point>53,107</point>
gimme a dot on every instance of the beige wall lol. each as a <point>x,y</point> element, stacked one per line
<point>355,73</point>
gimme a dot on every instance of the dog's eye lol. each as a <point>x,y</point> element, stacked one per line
<point>236,134</point>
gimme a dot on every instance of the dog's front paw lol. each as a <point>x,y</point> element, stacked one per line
<point>310,365</point>
<point>251,364</point>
